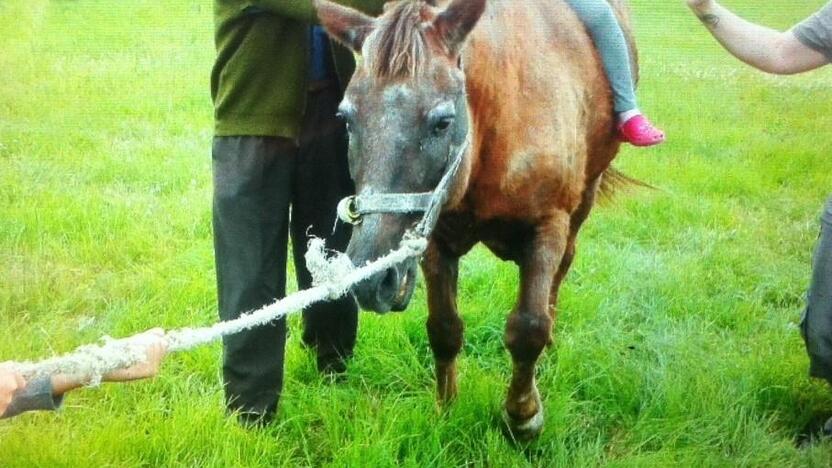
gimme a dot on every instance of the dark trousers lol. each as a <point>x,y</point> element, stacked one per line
<point>256,180</point>
<point>817,320</point>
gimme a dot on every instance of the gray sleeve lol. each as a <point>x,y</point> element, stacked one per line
<point>815,31</point>
<point>37,395</point>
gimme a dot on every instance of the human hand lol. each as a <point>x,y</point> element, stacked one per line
<point>10,382</point>
<point>156,348</point>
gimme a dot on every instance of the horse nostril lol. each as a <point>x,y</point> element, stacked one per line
<point>390,281</point>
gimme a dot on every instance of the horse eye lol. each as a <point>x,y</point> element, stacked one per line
<point>442,125</point>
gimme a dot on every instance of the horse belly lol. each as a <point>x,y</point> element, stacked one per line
<point>507,239</point>
<point>459,231</point>
<point>526,186</point>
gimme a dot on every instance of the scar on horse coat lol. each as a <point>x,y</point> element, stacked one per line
<point>524,84</point>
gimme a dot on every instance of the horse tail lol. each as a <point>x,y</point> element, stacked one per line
<point>614,180</point>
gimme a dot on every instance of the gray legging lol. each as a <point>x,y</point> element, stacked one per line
<point>602,24</point>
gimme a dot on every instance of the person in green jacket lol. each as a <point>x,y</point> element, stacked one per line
<point>276,85</point>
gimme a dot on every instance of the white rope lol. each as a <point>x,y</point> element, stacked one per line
<point>333,275</point>
<point>333,278</point>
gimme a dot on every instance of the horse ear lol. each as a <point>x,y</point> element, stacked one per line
<point>455,23</point>
<point>347,26</point>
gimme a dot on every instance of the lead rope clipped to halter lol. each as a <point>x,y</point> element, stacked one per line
<point>333,276</point>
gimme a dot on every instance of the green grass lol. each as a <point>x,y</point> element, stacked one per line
<point>677,342</point>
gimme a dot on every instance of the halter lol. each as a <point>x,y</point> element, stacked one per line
<point>352,209</point>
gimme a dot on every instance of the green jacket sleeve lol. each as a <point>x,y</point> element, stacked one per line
<point>304,10</point>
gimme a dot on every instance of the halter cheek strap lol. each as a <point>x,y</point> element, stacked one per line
<point>352,209</point>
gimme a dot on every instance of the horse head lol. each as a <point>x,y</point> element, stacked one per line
<point>406,114</point>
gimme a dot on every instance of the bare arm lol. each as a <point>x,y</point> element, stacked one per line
<point>156,351</point>
<point>763,48</point>
<point>17,395</point>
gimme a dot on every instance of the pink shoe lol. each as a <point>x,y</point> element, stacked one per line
<point>638,131</point>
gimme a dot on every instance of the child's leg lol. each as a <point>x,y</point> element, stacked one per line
<point>602,24</point>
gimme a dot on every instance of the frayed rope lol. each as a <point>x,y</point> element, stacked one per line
<point>333,275</point>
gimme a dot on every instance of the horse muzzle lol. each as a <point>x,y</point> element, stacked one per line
<point>390,290</point>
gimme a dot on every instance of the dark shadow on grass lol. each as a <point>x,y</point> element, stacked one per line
<point>818,429</point>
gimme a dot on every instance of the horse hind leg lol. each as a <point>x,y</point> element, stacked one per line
<point>566,262</point>
<point>528,329</point>
<point>576,220</point>
<point>444,325</point>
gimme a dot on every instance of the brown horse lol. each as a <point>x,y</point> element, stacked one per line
<point>521,82</point>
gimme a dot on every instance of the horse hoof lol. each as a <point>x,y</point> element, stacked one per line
<point>525,430</point>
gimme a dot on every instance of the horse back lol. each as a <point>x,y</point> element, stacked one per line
<point>541,109</point>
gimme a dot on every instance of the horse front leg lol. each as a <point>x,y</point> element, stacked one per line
<point>444,325</point>
<point>529,326</point>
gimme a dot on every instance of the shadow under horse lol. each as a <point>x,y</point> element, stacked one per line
<point>522,84</point>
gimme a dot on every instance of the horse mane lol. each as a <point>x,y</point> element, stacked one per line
<point>400,48</point>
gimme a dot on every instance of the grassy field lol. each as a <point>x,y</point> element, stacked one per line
<point>677,342</point>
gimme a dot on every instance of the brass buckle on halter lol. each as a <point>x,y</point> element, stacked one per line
<point>348,211</point>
